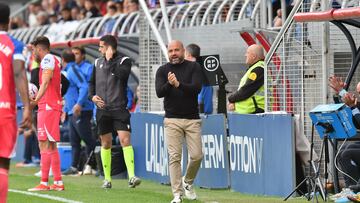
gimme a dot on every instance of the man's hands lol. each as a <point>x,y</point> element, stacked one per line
<point>62,117</point>
<point>33,103</point>
<point>77,109</point>
<point>26,119</point>
<point>231,107</point>
<point>98,101</point>
<point>173,80</point>
<point>350,99</point>
<point>109,53</point>
<point>336,83</point>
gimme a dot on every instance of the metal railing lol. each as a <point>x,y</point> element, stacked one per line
<point>193,14</point>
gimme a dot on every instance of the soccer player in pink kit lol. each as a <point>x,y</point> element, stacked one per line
<point>48,100</point>
<point>12,72</point>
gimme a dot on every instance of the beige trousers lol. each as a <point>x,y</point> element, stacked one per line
<point>175,132</point>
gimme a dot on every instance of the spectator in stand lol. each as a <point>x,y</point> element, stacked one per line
<point>119,6</point>
<point>112,10</point>
<point>53,7</point>
<point>45,5</point>
<point>109,8</point>
<point>53,18</point>
<point>34,9</point>
<point>91,10</point>
<point>66,4</point>
<point>108,26</point>
<point>75,13</point>
<point>82,14</point>
<point>17,22</point>
<point>131,6</point>
<point>80,4</point>
<point>152,3</point>
<point>42,18</point>
<point>101,6</point>
<point>65,15</point>
<point>278,19</point>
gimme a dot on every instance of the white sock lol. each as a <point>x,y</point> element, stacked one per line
<point>44,183</point>
<point>60,182</point>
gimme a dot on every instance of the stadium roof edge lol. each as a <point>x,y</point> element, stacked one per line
<point>333,14</point>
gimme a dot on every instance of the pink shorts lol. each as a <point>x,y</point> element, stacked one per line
<point>8,135</point>
<point>48,125</point>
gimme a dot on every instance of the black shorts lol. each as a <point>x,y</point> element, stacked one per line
<point>108,121</point>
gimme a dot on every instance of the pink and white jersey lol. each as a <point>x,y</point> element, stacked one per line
<point>52,97</point>
<point>10,50</point>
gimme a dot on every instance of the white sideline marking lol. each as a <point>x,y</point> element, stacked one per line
<point>60,199</point>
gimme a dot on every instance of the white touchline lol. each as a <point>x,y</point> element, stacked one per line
<point>60,199</point>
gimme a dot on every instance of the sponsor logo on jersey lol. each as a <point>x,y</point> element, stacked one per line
<point>5,49</point>
<point>4,105</point>
<point>46,60</point>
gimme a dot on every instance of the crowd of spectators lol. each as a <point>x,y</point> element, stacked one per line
<point>45,12</point>
<point>59,11</point>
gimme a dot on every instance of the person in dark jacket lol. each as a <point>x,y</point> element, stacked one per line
<point>179,83</point>
<point>107,89</point>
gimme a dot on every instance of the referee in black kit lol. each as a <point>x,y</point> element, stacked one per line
<point>107,89</point>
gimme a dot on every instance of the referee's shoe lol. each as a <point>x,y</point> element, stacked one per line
<point>134,181</point>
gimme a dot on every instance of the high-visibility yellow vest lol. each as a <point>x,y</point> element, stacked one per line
<point>248,105</point>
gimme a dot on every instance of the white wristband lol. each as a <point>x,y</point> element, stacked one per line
<point>355,111</point>
<point>342,92</point>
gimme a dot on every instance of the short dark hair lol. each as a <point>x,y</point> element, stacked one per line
<point>68,56</point>
<point>109,40</point>
<point>4,14</point>
<point>113,7</point>
<point>43,41</point>
<point>193,50</point>
<point>134,1</point>
<point>66,9</point>
<point>80,48</point>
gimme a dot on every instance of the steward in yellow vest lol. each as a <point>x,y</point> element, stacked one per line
<point>249,97</point>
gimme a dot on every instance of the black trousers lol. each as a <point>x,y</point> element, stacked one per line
<point>31,148</point>
<point>350,154</point>
<point>31,143</point>
<point>80,129</point>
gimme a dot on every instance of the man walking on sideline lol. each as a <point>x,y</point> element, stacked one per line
<point>12,72</point>
<point>179,82</point>
<point>49,102</point>
<point>249,97</point>
<point>107,89</point>
<point>79,109</point>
